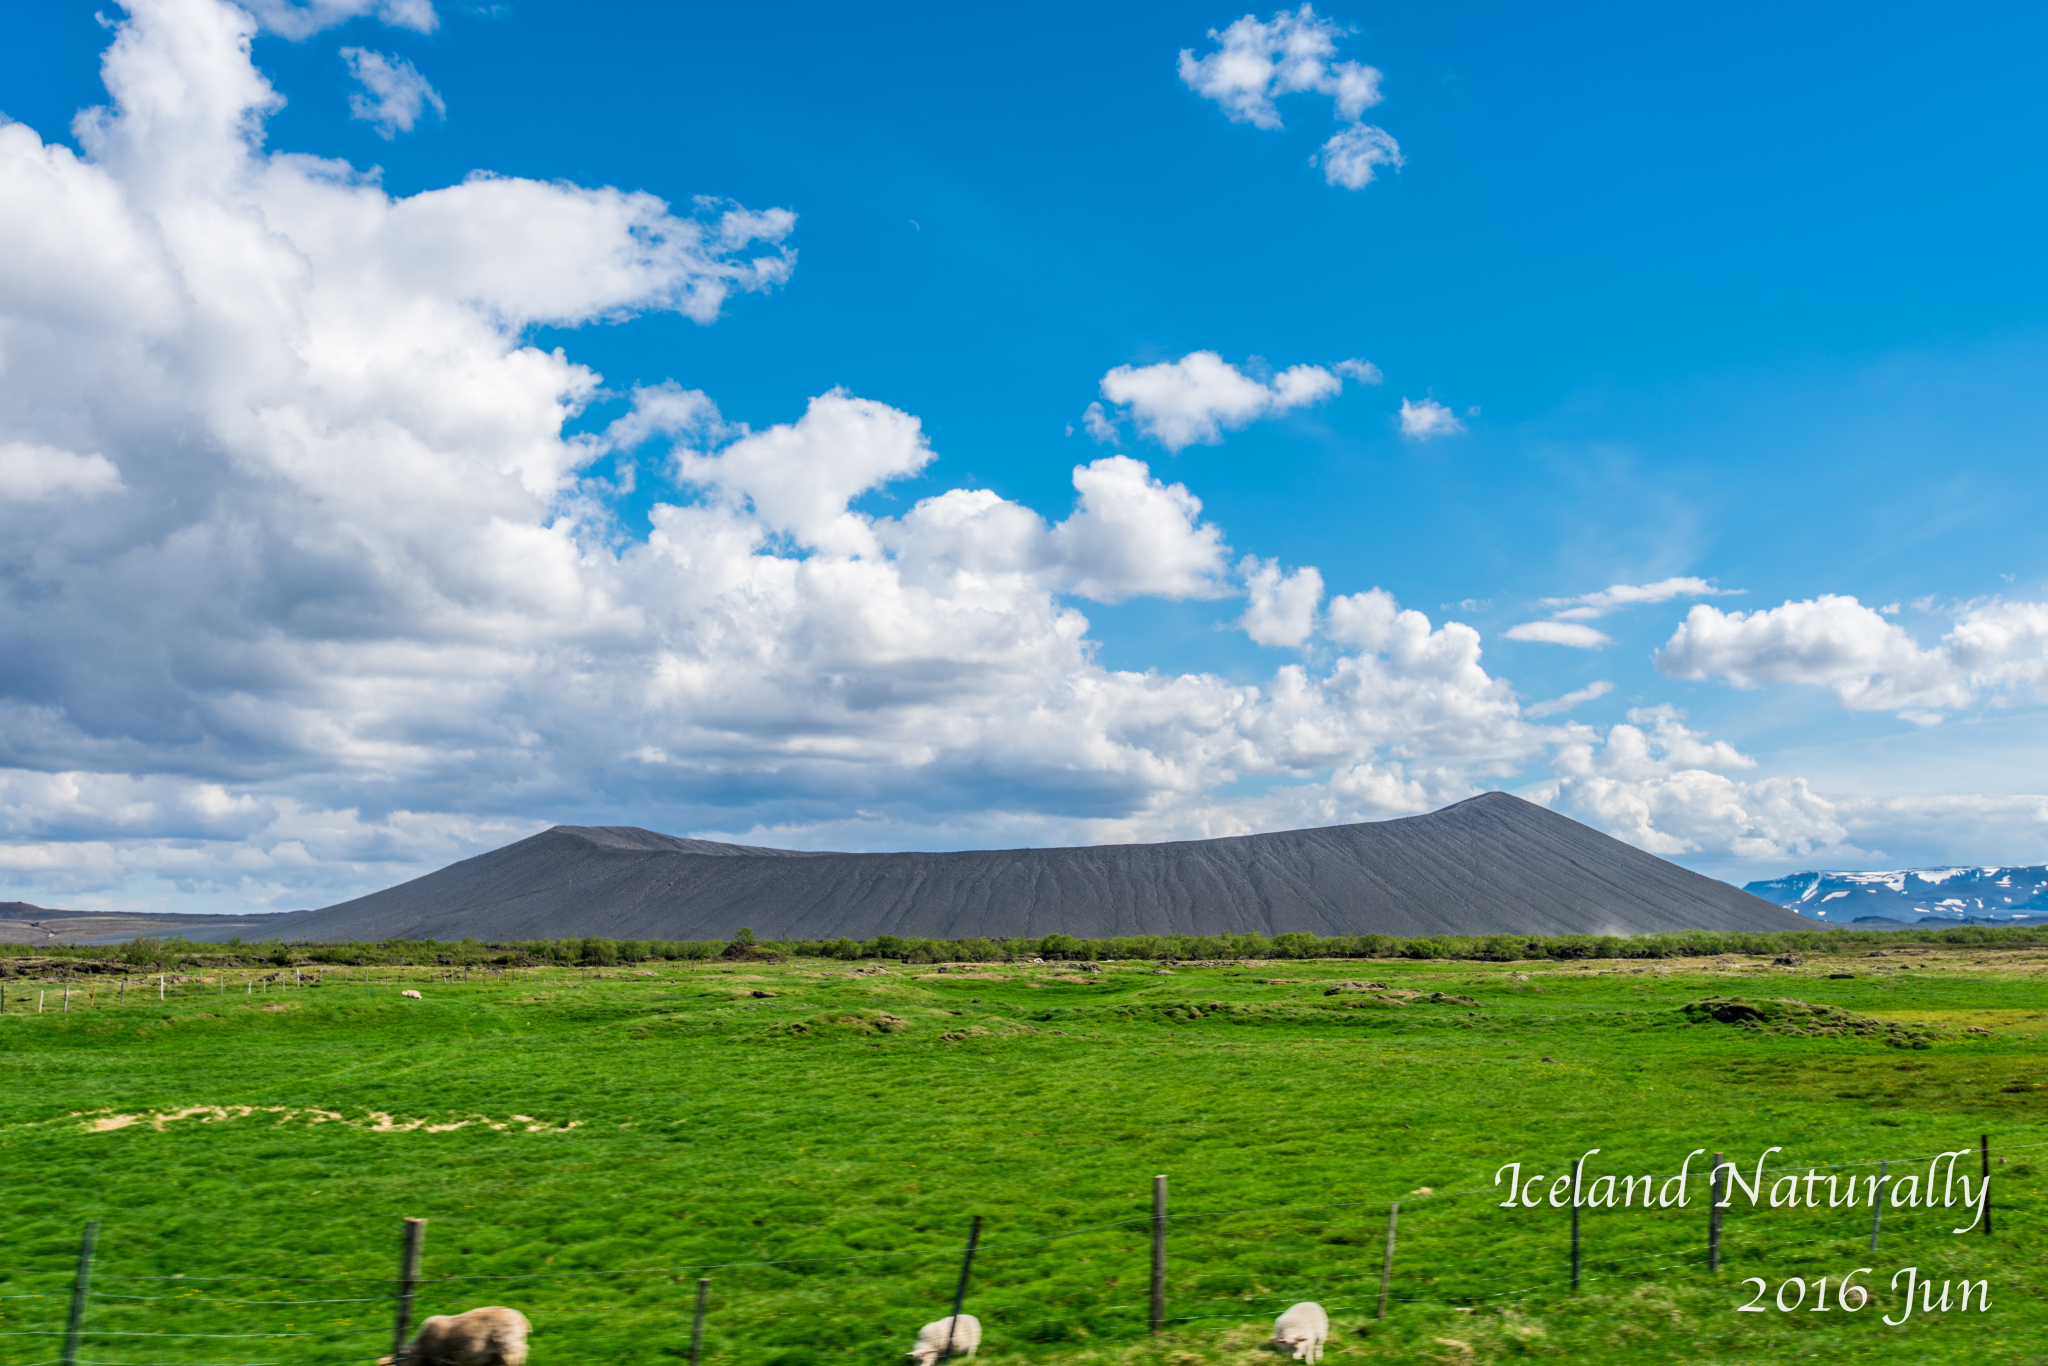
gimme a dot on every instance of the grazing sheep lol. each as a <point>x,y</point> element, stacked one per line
<point>482,1337</point>
<point>414,994</point>
<point>1303,1330</point>
<point>931,1342</point>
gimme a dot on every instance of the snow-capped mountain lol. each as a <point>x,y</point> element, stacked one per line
<point>1914,894</point>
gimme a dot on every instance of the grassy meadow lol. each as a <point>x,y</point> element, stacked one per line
<point>815,1136</point>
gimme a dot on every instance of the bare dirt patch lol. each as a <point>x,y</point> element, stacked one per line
<point>371,1121</point>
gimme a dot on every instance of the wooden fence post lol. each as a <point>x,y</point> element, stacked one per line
<point>79,1283</point>
<point>960,1291</point>
<point>697,1324</point>
<point>1714,1217</point>
<point>1158,1253</point>
<point>1575,1222</point>
<point>408,1281</point>
<point>1387,1263</point>
<point>1984,1142</point>
<point>1877,1204</point>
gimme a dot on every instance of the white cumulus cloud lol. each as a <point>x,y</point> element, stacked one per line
<point>310,587</point>
<point>394,94</point>
<point>1256,62</point>
<point>117,841</point>
<point>1935,828</point>
<point>798,478</point>
<point>30,473</point>
<point>1664,788</point>
<point>1285,55</point>
<point>1667,789</point>
<point>1132,535</point>
<point>1869,661</point>
<point>1831,641</point>
<point>1282,610</point>
<point>319,589</point>
<point>1194,400</point>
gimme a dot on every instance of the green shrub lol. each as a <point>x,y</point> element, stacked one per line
<point>144,952</point>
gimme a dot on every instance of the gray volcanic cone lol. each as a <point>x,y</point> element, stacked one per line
<point>1492,865</point>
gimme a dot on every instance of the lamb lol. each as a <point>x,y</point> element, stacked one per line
<point>1303,1329</point>
<point>413,994</point>
<point>495,1336</point>
<point>931,1341</point>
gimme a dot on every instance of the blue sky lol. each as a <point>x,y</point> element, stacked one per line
<point>1750,299</point>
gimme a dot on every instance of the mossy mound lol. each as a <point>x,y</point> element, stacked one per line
<point>1347,1009</point>
<point>747,951</point>
<point>1784,1015</point>
<point>853,1022</point>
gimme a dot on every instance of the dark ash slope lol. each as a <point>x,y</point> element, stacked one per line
<point>1494,864</point>
<point>21,923</point>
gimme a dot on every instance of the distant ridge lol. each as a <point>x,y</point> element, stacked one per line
<point>1492,865</point>
<point>1969,895</point>
<point>22,923</point>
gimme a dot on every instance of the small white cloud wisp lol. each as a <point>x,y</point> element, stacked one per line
<point>296,19</point>
<point>1591,606</point>
<point>1427,420</point>
<point>1571,633</point>
<point>1569,615</point>
<point>1351,157</point>
<point>1557,706</point>
<point>394,94</point>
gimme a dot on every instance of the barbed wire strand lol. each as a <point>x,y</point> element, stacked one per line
<point>1183,1217</point>
<point>207,1299</point>
<point>321,1361</point>
<point>123,1333</point>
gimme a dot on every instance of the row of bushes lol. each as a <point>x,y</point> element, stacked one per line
<point>600,952</point>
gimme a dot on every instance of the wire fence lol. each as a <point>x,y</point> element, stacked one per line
<point>1211,1267</point>
<point>60,989</point>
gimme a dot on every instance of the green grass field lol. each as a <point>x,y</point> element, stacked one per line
<point>816,1140</point>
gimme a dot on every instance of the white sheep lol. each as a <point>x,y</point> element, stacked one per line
<point>482,1337</point>
<point>931,1341</point>
<point>1303,1330</point>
